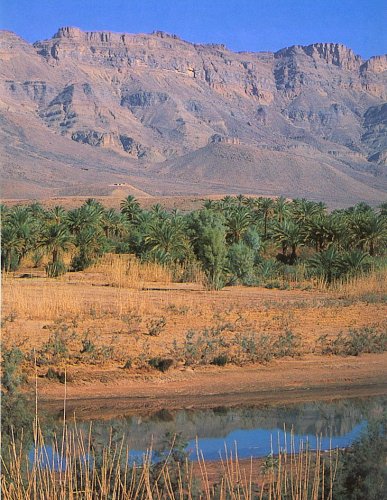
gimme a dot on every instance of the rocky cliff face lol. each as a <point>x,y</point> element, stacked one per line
<point>149,99</point>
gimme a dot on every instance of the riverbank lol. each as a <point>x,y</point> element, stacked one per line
<point>105,393</point>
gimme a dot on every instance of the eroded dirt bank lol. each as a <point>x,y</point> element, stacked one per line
<point>110,392</point>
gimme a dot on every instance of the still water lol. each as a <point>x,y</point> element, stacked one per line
<point>254,431</point>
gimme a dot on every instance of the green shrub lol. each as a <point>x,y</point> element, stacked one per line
<point>255,348</point>
<point>88,346</point>
<point>57,375</point>
<point>220,360</point>
<point>362,472</point>
<point>241,261</point>
<point>365,340</point>
<point>358,341</point>
<point>287,344</point>
<point>12,375</point>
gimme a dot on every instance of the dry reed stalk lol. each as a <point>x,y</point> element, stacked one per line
<point>79,477</point>
<point>127,271</point>
<point>46,300</point>
<point>356,286</point>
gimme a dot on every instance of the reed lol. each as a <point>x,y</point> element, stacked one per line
<point>71,468</point>
<point>128,272</point>
<point>363,285</point>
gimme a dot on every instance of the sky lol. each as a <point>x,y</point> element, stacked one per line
<point>250,25</point>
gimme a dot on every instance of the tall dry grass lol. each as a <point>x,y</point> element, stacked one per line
<point>357,287</point>
<point>128,272</point>
<point>115,286</point>
<point>44,300</point>
<point>70,468</point>
<point>374,283</point>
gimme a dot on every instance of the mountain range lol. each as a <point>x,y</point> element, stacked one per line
<point>108,114</point>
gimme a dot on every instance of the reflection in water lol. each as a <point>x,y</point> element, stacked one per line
<point>256,431</point>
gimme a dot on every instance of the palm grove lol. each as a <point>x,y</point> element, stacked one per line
<point>234,240</point>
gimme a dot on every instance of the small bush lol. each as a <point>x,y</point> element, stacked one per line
<point>254,348</point>
<point>161,364</point>
<point>156,326</point>
<point>358,341</point>
<point>57,346</point>
<point>88,346</point>
<point>128,364</point>
<point>220,360</point>
<point>55,269</point>
<point>53,374</point>
<point>12,375</point>
<point>288,344</point>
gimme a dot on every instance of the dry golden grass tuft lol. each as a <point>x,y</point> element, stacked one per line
<point>373,284</point>
<point>128,272</point>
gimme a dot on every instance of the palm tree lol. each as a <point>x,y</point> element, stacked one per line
<point>95,206</point>
<point>36,209</point>
<point>11,246</point>
<point>159,211</point>
<point>227,202</point>
<point>238,222</point>
<point>289,235</point>
<point>57,214</point>
<point>91,243</point>
<point>56,240</point>
<point>241,199</point>
<point>168,237</point>
<point>383,209</point>
<point>26,228</point>
<point>114,223</point>
<point>83,217</point>
<point>281,208</point>
<point>368,231</point>
<point>130,207</point>
<point>327,264</point>
<point>209,204</point>
<point>323,230</point>
<point>303,209</point>
<point>266,208</point>
<point>355,262</point>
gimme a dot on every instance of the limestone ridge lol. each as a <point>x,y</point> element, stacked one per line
<point>155,105</point>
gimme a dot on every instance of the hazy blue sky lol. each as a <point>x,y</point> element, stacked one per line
<point>241,24</point>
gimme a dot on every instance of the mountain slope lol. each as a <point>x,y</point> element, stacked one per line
<point>82,112</point>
